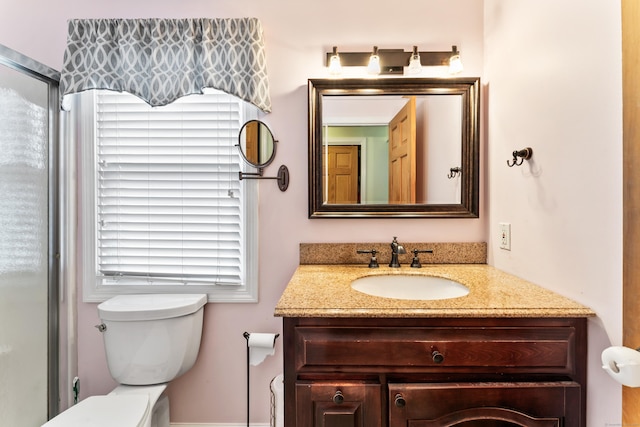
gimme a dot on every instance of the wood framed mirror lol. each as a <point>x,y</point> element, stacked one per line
<point>394,147</point>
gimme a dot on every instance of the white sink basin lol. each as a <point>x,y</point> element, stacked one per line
<point>410,287</point>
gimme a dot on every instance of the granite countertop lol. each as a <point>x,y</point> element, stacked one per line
<point>325,291</point>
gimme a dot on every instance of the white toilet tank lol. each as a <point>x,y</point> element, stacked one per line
<point>151,339</point>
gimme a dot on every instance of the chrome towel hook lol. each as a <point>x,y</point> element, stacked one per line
<point>524,154</point>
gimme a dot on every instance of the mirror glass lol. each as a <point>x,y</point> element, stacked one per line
<point>393,147</point>
<point>257,145</point>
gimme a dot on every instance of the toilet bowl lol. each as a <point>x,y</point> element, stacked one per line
<point>149,340</point>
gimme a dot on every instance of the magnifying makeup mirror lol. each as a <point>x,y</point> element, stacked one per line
<point>258,148</point>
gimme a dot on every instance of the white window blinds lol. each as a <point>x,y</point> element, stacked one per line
<point>169,202</point>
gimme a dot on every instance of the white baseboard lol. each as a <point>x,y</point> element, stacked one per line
<point>218,425</point>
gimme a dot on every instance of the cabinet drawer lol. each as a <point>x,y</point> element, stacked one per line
<point>412,349</point>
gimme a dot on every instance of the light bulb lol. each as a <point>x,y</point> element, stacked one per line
<point>374,62</point>
<point>455,64</point>
<point>335,67</point>
<point>415,66</point>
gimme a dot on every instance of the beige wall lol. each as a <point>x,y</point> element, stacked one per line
<point>553,83</point>
<point>559,239</point>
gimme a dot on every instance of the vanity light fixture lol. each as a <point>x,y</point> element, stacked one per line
<point>393,61</point>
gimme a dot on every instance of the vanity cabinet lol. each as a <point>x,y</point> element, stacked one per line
<point>392,372</point>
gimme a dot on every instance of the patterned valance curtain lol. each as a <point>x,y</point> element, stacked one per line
<point>160,60</point>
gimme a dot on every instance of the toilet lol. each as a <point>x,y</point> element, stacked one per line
<point>149,340</point>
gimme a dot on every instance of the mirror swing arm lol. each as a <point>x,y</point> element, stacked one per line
<point>282,177</point>
<point>257,147</point>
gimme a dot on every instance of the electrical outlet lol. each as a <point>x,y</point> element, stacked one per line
<point>505,236</point>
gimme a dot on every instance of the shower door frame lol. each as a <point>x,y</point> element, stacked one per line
<point>34,69</point>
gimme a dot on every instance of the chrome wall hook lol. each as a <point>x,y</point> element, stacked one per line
<point>453,172</point>
<point>520,156</point>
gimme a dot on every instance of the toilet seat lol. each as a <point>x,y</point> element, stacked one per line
<point>122,410</point>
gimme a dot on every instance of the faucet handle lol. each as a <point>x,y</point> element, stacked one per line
<point>373,263</point>
<point>396,247</point>
<point>416,262</point>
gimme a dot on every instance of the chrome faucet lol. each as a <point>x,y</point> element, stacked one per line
<point>396,249</point>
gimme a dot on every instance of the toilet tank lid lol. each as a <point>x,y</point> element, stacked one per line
<point>150,306</point>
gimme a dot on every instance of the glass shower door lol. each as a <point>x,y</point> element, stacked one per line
<point>28,298</point>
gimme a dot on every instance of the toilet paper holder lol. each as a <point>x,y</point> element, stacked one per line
<point>622,364</point>
<point>247,335</point>
<point>615,366</point>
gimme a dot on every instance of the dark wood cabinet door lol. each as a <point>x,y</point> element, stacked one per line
<point>338,404</point>
<point>553,404</point>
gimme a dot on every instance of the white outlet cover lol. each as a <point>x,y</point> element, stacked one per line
<point>505,236</point>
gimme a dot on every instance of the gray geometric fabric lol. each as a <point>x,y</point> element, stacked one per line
<point>160,60</point>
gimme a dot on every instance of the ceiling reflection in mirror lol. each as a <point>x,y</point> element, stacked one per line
<point>393,147</point>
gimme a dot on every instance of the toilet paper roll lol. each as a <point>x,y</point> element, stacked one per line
<point>261,346</point>
<point>623,364</point>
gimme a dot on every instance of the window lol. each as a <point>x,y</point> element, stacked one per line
<point>164,209</point>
